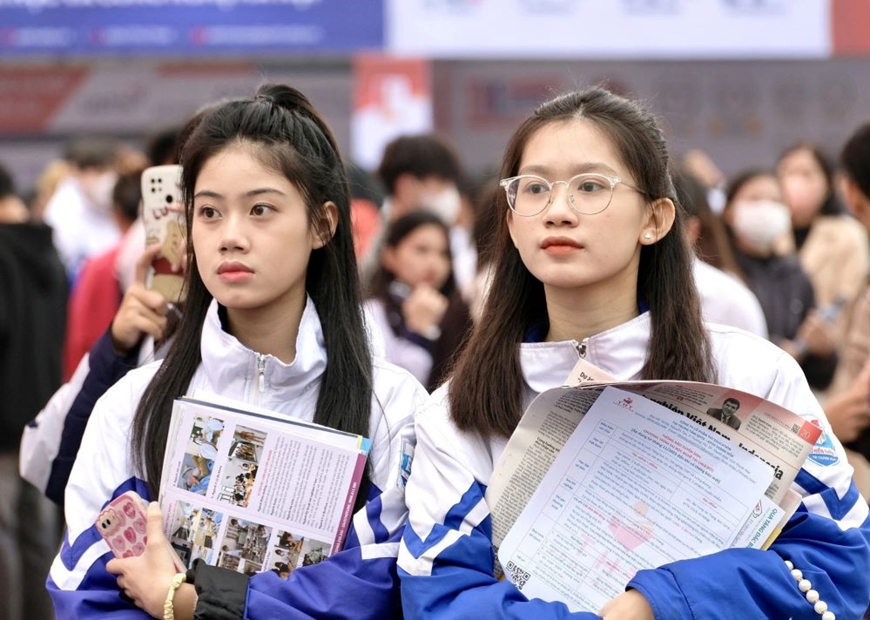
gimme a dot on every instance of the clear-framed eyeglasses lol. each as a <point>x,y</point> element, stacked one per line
<point>588,193</point>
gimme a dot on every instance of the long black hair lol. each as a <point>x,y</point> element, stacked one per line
<point>291,138</point>
<point>487,387</point>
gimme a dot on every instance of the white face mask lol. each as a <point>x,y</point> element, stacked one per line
<point>445,204</point>
<point>760,223</point>
<point>99,190</point>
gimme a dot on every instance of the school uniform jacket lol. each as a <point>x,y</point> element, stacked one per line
<point>360,581</point>
<point>446,559</point>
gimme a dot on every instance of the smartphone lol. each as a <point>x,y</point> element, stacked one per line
<point>163,217</point>
<point>122,524</point>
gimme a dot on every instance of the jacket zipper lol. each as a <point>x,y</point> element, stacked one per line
<point>581,347</point>
<point>261,377</point>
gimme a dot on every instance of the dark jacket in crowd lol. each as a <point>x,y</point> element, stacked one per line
<point>33,296</point>
<point>786,295</point>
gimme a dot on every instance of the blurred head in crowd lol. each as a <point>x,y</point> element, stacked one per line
<point>161,148</point>
<point>855,164</point>
<point>94,163</point>
<point>421,171</point>
<point>416,251</point>
<point>704,230</point>
<point>807,177</point>
<point>126,199</point>
<point>12,208</point>
<point>756,215</point>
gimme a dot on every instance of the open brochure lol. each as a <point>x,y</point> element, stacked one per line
<point>252,490</point>
<point>660,471</point>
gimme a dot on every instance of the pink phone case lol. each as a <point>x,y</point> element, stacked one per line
<point>122,525</point>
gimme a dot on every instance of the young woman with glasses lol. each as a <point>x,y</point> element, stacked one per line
<point>591,263</point>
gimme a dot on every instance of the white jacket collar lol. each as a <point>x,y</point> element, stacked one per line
<point>619,351</point>
<point>233,369</point>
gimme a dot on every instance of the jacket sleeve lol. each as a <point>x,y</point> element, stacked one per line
<point>51,441</point>
<point>360,581</point>
<point>446,560</point>
<point>828,540</point>
<point>78,583</point>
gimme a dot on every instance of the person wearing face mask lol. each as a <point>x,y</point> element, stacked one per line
<point>424,172</point>
<point>80,211</point>
<point>414,301</point>
<point>759,227</point>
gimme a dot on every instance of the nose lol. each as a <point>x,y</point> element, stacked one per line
<point>559,211</point>
<point>233,234</point>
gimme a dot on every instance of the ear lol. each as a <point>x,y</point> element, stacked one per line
<point>659,219</point>
<point>325,224</point>
<point>509,217</point>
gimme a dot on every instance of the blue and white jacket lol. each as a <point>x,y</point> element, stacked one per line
<point>446,558</point>
<point>360,581</point>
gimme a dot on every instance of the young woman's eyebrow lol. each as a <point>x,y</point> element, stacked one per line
<point>206,193</point>
<point>575,170</point>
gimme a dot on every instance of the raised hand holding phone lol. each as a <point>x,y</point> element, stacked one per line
<point>142,311</point>
<point>163,217</point>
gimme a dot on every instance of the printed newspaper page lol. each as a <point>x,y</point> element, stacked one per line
<point>778,437</point>
<point>636,486</point>
<point>530,452</point>
<point>252,490</point>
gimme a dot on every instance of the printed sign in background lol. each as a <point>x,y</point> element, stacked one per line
<point>100,28</point>
<point>392,97</point>
<point>612,29</point>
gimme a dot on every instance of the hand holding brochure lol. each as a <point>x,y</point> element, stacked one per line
<point>252,490</point>
<point>606,482</point>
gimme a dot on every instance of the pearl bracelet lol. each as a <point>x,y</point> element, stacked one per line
<point>806,587</point>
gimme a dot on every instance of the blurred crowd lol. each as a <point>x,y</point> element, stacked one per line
<point>782,251</point>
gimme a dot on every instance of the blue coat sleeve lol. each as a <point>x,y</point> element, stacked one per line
<point>79,584</point>
<point>829,547</point>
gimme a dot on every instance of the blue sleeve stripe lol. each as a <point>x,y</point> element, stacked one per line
<point>71,554</point>
<point>836,506</point>
<point>471,498</point>
<point>373,514</point>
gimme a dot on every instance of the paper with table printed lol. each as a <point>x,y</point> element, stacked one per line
<point>649,477</point>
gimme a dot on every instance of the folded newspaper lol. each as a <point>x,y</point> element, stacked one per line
<point>252,490</point>
<point>602,480</point>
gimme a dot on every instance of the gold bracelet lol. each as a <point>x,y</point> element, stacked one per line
<point>168,608</point>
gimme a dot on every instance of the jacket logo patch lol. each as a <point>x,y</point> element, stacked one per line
<point>405,464</point>
<point>824,453</point>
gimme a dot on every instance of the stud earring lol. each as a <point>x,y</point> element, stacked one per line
<point>647,236</point>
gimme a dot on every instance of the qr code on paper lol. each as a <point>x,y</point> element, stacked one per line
<point>517,575</point>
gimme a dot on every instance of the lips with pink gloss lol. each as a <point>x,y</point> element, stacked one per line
<point>560,245</point>
<point>234,272</point>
